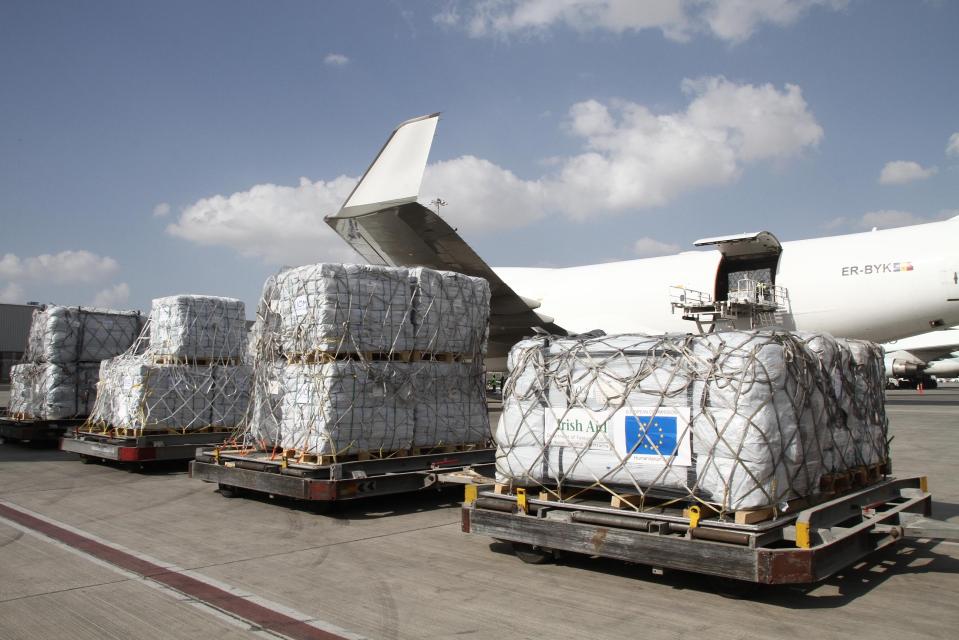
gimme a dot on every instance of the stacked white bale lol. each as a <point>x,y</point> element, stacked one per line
<point>202,388</point>
<point>334,308</point>
<point>66,335</point>
<point>137,394</point>
<point>198,328</point>
<point>450,403</point>
<point>863,400</point>
<point>64,349</point>
<point>23,401</point>
<point>345,406</point>
<point>51,391</point>
<point>450,311</point>
<point>735,419</point>
<point>840,447</point>
<point>337,360</point>
<point>230,397</point>
<point>763,421</point>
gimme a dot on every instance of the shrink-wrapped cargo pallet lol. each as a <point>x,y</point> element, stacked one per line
<point>735,420</point>
<point>49,391</point>
<point>79,334</point>
<point>198,328</point>
<point>65,345</point>
<point>330,308</point>
<point>354,358</point>
<point>137,394</point>
<point>447,309</point>
<point>180,376</point>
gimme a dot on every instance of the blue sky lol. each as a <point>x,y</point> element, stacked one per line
<point>149,149</point>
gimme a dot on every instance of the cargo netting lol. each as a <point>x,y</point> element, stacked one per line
<point>731,420</point>
<point>185,373</point>
<point>361,359</point>
<point>58,376</point>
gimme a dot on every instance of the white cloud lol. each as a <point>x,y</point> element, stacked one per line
<point>161,210</point>
<point>730,20</point>
<point>647,247</point>
<point>889,218</point>
<point>736,20</point>
<point>637,159</point>
<point>112,297</point>
<point>835,223</point>
<point>10,267</point>
<point>904,172</point>
<point>283,225</point>
<point>952,147</point>
<point>335,60</point>
<point>66,267</point>
<point>11,293</point>
<point>632,158</point>
<point>482,195</point>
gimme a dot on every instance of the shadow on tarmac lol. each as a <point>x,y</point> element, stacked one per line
<point>370,508</point>
<point>912,557</point>
<point>34,451</point>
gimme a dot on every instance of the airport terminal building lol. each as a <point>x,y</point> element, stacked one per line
<point>14,328</point>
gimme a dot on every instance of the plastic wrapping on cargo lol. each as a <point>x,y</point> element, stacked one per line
<point>450,311</point>
<point>346,406</point>
<point>198,328</point>
<point>341,365</point>
<point>332,308</point>
<point>863,400</point>
<point>49,391</point>
<point>735,420</point>
<point>450,403</point>
<point>138,394</point>
<point>80,334</point>
<point>182,374</point>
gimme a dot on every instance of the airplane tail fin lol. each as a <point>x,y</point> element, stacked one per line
<point>385,224</point>
<point>396,173</point>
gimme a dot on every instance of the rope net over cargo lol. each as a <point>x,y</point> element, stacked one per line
<point>184,373</point>
<point>361,359</point>
<point>731,420</point>
<point>58,376</point>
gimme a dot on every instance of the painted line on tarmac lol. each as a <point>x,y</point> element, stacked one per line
<point>222,597</point>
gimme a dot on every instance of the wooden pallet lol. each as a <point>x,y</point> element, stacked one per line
<point>136,432</point>
<point>833,483</point>
<point>446,448</point>
<point>326,357</point>
<point>323,459</point>
<point>196,362</point>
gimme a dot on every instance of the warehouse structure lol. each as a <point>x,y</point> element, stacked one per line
<point>14,328</point>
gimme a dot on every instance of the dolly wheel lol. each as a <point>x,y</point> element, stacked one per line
<point>85,459</point>
<point>321,507</point>
<point>530,554</point>
<point>228,491</point>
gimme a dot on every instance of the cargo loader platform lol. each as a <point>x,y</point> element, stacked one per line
<point>322,485</point>
<point>802,548</point>
<point>36,430</point>
<point>139,449</point>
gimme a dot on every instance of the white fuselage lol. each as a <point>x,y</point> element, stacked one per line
<point>878,285</point>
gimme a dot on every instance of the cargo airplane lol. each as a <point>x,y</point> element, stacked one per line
<point>879,285</point>
<point>923,358</point>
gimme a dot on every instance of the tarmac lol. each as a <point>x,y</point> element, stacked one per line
<point>77,540</point>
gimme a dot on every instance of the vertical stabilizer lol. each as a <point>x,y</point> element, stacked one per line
<point>395,175</point>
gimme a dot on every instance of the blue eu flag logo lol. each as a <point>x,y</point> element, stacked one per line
<point>651,435</point>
